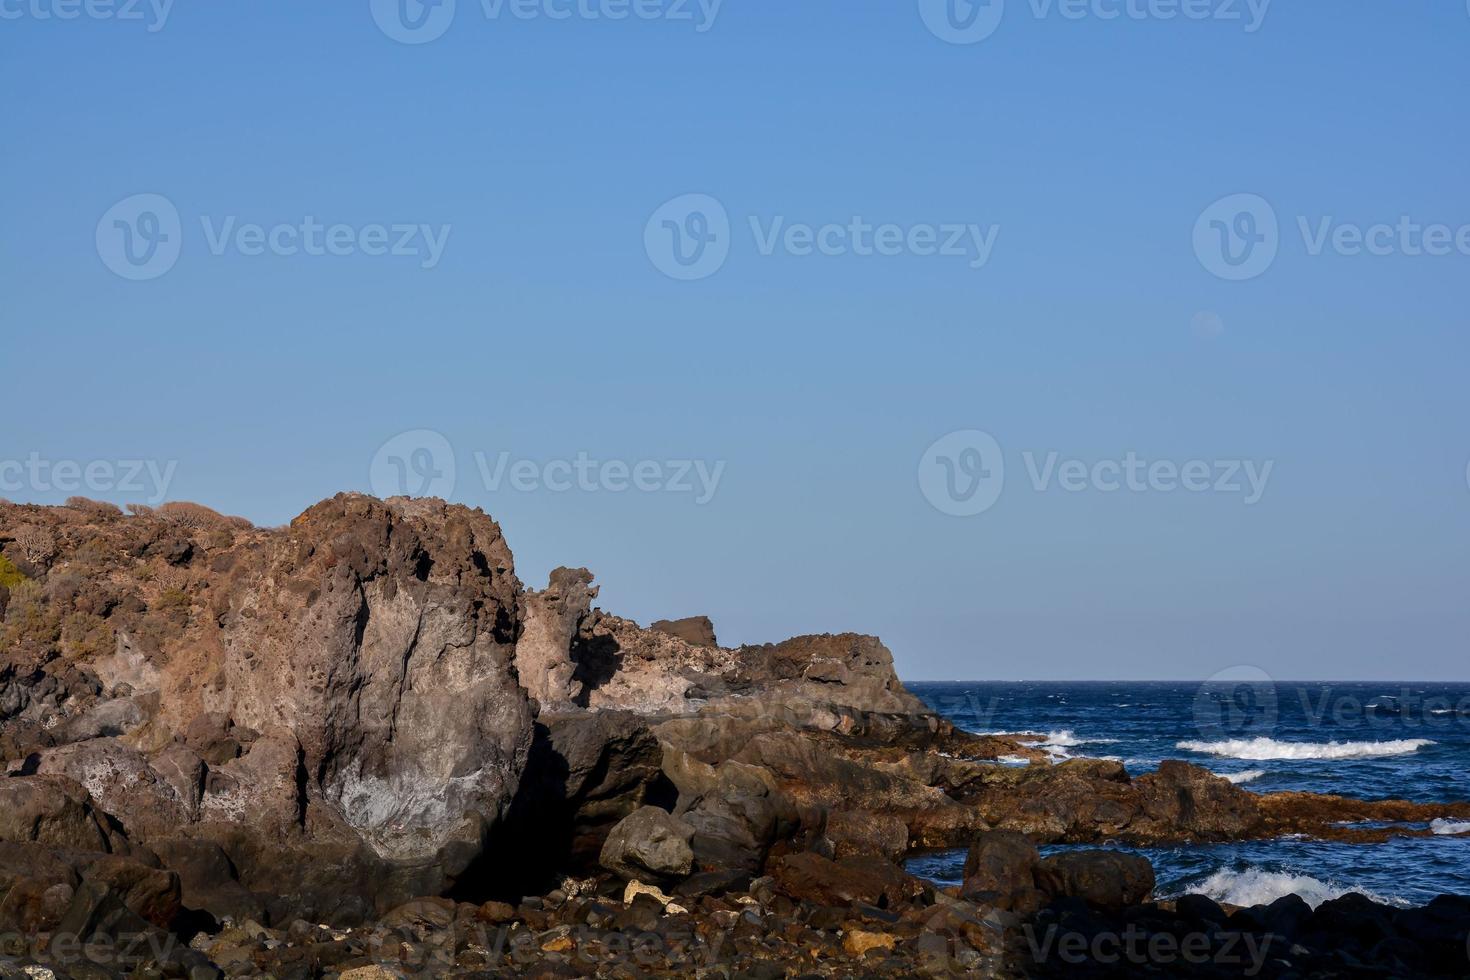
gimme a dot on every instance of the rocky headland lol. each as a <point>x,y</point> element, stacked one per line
<point>360,746</point>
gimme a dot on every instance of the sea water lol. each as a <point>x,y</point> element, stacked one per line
<point>1369,741</point>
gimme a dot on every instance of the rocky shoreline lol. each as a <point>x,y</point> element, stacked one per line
<point>359,746</point>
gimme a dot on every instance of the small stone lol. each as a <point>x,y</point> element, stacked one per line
<point>495,913</point>
<point>858,942</point>
<point>636,888</point>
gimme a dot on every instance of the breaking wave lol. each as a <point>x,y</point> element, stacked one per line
<point>1256,886</point>
<point>1266,749</point>
<point>1250,775</point>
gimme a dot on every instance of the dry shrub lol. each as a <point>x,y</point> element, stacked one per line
<point>196,517</point>
<point>100,508</point>
<point>37,544</point>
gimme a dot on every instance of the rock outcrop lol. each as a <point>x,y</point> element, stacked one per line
<point>334,704</point>
<point>697,630</point>
<point>263,740</point>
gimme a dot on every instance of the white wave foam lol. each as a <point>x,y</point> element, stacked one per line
<point>1446,828</point>
<point>1249,776</point>
<point>1256,886</point>
<point>1267,749</point>
<point>1013,760</point>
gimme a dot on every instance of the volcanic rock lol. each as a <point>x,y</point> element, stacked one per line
<point>648,842</point>
<point>697,630</point>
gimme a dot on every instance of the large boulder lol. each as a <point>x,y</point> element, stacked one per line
<point>1000,871</point>
<point>865,880</point>
<point>334,704</point>
<point>649,843</point>
<point>1107,879</point>
<point>1191,801</point>
<point>50,810</point>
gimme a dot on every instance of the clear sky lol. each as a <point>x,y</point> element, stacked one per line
<point>549,307</point>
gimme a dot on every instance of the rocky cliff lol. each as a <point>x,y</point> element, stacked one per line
<point>342,711</point>
<point>261,740</point>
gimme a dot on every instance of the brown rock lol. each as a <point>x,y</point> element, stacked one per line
<point>649,842</point>
<point>872,881</point>
<point>50,810</point>
<point>697,630</point>
<point>856,942</point>
<point>854,832</point>
<point>553,619</point>
<point>1108,879</point>
<point>1000,871</point>
<point>1196,802</point>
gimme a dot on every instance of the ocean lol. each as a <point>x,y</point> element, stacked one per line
<point>1365,740</point>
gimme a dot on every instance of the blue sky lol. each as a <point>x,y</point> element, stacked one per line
<point>526,165</point>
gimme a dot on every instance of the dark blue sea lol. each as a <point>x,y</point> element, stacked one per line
<point>1365,740</point>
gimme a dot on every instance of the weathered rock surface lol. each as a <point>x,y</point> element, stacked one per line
<point>340,694</point>
<point>1109,879</point>
<point>649,842</point>
<point>553,619</point>
<point>697,630</point>
<point>1000,870</point>
<point>364,720</point>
